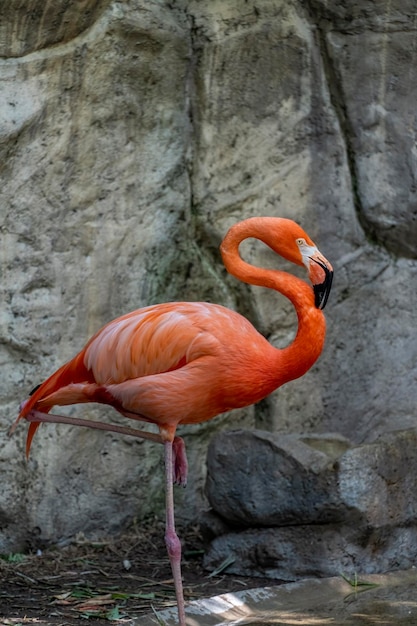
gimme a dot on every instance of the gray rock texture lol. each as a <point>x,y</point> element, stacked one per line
<point>328,507</point>
<point>255,478</point>
<point>295,552</point>
<point>132,135</point>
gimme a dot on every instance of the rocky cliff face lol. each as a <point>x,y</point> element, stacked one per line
<point>132,136</point>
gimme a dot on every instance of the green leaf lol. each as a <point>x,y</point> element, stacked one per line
<point>14,557</point>
<point>114,614</point>
<point>82,592</point>
<point>119,595</point>
<point>224,565</point>
<point>359,586</point>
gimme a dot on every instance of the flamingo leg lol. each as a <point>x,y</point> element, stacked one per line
<point>172,541</point>
<point>179,458</point>
<point>38,416</point>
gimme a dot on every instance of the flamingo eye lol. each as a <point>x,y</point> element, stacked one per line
<point>301,241</point>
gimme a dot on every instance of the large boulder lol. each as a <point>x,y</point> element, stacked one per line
<point>314,505</point>
<point>256,478</point>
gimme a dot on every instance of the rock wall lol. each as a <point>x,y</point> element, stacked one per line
<point>132,136</point>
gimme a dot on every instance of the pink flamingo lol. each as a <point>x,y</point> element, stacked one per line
<point>186,362</point>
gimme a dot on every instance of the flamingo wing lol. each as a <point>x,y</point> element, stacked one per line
<point>146,342</point>
<point>153,340</point>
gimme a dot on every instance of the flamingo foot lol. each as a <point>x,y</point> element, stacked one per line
<point>179,462</point>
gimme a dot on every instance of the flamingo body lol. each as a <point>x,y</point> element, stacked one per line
<point>173,363</point>
<point>185,362</point>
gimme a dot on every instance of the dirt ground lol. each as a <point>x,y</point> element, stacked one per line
<point>105,581</point>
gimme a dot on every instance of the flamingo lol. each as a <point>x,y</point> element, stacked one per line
<point>186,362</point>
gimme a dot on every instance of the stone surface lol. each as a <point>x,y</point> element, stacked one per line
<point>382,110</point>
<point>329,507</point>
<point>388,599</point>
<point>256,478</point>
<point>132,135</point>
<point>294,552</point>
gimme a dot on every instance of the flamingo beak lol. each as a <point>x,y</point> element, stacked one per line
<point>319,270</point>
<point>322,290</point>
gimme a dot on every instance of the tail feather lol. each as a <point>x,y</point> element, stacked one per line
<point>33,427</point>
<point>72,372</point>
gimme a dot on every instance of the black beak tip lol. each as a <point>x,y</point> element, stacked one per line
<point>322,291</point>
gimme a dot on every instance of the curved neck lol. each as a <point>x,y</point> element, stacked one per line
<point>293,288</point>
<point>294,360</point>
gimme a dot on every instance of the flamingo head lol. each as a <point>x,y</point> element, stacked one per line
<point>319,270</point>
<point>292,242</point>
